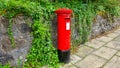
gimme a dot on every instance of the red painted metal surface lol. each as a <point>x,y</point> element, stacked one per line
<point>63,17</point>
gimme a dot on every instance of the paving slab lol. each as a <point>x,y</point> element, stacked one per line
<point>84,50</point>
<point>117,31</point>
<point>117,39</point>
<point>113,63</point>
<point>65,65</point>
<point>118,53</point>
<point>104,39</point>
<point>114,44</point>
<point>112,35</point>
<point>95,44</point>
<point>74,59</point>
<point>91,61</point>
<point>72,66</point>
<point>105,52</point>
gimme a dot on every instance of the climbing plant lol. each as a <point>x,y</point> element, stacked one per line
<point>42,51</point>
<point>4,66</point>
<point>85,13</point>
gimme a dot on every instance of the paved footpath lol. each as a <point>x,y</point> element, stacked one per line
<point>103,52</point>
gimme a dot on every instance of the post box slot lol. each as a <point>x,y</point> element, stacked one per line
<point>67,18</point>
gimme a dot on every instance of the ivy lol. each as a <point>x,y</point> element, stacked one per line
<point>41,46</point>
<point>42,51</point>
<point>4,66</point>
<point>10,33</point>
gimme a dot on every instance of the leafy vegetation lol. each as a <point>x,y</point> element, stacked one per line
<point>42,51</point>
<point>4,66</point>
<point>10,33</point>
<point>85,12</point>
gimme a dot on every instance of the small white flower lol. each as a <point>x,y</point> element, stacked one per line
<point>21,57</point>
<point>25,60</point>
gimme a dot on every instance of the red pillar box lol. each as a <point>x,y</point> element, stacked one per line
<point>63,20</point>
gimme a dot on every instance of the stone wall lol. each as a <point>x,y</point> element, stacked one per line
<point>99,26</point>
<point>23,39</point>
<point>102,25</point>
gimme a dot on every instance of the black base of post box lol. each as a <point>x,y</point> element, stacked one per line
<point>64,56</point>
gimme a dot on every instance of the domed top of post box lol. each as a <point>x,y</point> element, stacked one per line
<point>63,11</point>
